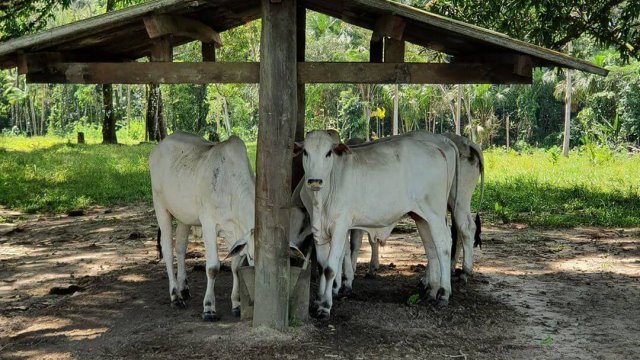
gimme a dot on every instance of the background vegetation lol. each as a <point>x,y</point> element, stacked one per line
<point>42,169</point>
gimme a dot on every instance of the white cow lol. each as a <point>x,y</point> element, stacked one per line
<point>342,191</point>
<point>200,183</point>
<point>465,230</point>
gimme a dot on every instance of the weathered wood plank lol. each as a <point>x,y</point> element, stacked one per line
<point>409,73</point>
<point>165,25</point>
<point>389,26</point>
<point>393,50</point>
<point>477,33</point>
<point>375,50</point>
<point>94,25</point>
<point>297,171</point>
<point>308,72</point>
<point>143,73</point>
<point>276,131</point>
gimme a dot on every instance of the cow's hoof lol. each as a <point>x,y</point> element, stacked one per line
<point>370,275</point>
<point>178,304</point>
<point>210,316</point>
<point>185,293</point>
<point>322,314</point>
<point>346,292</point>
<point>440,301</point>
<point>236,311</point>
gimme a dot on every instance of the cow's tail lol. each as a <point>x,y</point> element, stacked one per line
<point>477,239</point>
<point>159,245</point>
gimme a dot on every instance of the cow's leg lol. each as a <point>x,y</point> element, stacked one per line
<point>356,242</point>
<point>235,291</point>
<point>322,255</point>
<point>431,280</point>
<point>441,236</point>
<point>337,283</point>
<point>209,235</point>
<point>374,264</point>
<point>466,232</point>
<point>182,240</point>
<point>166,242</point>
<point>336,252</point>
<point>347,268</point>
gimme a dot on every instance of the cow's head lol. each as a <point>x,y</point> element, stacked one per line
<point>319,150</point>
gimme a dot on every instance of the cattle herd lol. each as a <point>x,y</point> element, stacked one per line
<point>419,174</point>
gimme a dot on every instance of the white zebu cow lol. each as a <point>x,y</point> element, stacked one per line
<point>201,183</point>
<point>339,187</point>
<point>465,231</point>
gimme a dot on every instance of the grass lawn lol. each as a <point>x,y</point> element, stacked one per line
<point>49,174</point>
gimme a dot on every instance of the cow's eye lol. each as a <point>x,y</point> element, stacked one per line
<point>304,152</point>
<point>328,154</point>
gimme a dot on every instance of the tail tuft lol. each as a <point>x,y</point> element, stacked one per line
<point>454,238</point>
<point>159,244</point>
<point>477,240</point>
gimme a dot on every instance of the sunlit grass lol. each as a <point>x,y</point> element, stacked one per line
<point>51,174</point>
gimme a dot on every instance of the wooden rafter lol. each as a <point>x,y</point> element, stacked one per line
<point>159,26</point>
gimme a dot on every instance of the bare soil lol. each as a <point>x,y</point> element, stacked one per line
<point>91,287</point>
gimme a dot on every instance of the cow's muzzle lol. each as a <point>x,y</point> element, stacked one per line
<point>314,184</point>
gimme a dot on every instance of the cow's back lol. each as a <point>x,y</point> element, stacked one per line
<point>191,176</point>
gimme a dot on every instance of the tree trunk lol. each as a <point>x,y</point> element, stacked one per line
<point>156,129</point>
<point>507,130</point>
<point>43,110</point>
<point>458,112</point>
<point>567,116</point>
<point>396,89</point>
<point>109,117</point>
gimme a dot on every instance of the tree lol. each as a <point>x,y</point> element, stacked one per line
<point>552,23</point>
<point>109,120</point>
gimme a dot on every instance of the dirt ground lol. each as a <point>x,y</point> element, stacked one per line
<point>570,294</point>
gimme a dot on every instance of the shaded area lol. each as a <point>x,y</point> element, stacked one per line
<point>546,294</point>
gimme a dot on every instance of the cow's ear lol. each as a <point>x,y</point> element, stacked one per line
<point>298,146</point>
<point>237,248</point>
<point>341,149</point>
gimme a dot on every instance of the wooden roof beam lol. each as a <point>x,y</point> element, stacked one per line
<point>308,72</point>
<point>389,26</point>
<point>522,64</point>
<point>159,26</point>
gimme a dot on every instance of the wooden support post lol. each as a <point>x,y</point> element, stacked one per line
<point>276,131</point>
<point>208,50</point>
<point>375,51</point>
<point>394,53</point>
<point>301,26</point>
<point>161,51</point>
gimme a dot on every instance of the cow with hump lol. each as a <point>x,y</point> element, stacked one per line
<point>199,183</point>
<point>342,191</point>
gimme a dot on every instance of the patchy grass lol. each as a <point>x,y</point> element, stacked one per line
<point>49,174</point>
<point>541,189</point>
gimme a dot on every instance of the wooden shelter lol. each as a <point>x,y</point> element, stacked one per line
<point>104,49</point>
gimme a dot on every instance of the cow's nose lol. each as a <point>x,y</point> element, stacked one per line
<point>315,184</point>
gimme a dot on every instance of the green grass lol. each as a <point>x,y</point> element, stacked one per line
<point>52,174</point>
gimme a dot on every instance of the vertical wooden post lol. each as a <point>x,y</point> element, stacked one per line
<point>161,51</point>
<point>394,53</point>
<point>276,130</point>
<point>208,55</point>
<point>301,26</point>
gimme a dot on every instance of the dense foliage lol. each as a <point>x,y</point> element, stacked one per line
<point>606,111</point>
